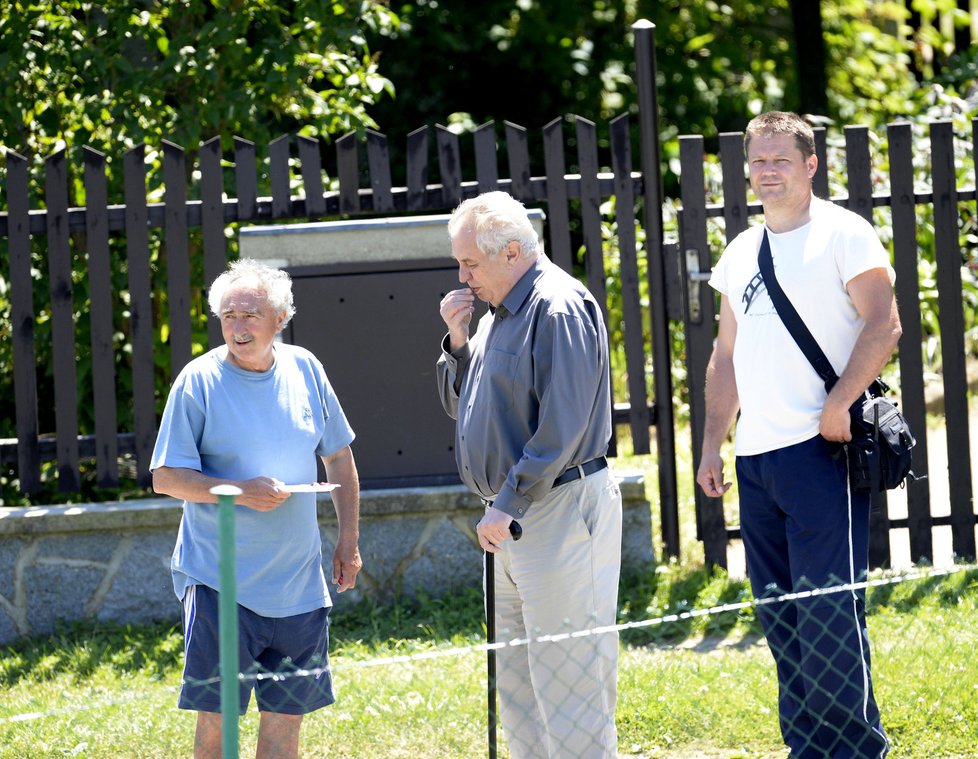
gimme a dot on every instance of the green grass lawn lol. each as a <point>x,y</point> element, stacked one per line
<point>699,687</point>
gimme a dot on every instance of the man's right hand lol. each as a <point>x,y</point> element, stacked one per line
<point>710,475</point>
<point>262,493</point>
<point>456,310</point>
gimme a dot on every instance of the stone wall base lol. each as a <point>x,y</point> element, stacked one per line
<point>110,561</point>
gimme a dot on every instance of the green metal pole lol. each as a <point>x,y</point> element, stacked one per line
<point>228,620</point>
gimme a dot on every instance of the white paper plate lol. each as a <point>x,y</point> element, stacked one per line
<point>311,487</point>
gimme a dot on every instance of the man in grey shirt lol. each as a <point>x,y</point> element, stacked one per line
<point>530,394</point>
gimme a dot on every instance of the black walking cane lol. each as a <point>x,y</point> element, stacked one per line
<point>517,532</point>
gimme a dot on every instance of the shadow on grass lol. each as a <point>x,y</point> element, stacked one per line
<point>944,590</point>
<point>669,590</point>
<point>410,620</point>
<point>661,592</point>
<point>81,648</point>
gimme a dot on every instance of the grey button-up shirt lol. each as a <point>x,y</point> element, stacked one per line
<point>530,390</point>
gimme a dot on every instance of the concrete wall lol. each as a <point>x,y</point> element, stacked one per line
<point>110,561</point>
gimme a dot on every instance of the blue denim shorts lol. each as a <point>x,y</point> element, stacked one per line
<point>266,646</point>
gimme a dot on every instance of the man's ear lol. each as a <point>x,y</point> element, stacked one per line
<point>812,165</point>
<point>513,251</point>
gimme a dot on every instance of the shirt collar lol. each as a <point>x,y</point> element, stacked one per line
<point>517,296</point>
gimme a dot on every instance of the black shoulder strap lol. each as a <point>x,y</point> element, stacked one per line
<point>792,321</point>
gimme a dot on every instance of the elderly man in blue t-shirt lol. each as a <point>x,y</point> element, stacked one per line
<point>255,413</point>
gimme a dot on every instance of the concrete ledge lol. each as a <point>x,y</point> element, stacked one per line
<point>110,561</point>
<point>395,238</point>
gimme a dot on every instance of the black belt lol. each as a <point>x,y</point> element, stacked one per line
<point>576,472</point>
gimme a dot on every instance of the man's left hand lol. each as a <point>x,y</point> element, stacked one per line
<point>346,566</point>
<point>835,424</point>
<point>493,529</point>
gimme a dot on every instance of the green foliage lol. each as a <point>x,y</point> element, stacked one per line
<point>869,61</point>
<point>114,74</point>
<point>529,62</point>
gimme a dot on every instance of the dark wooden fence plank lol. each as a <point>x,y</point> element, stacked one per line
<point>735,212</point>
<point>100,314</point>
<point>655,251</point>
<point>417,168</point>
<point>587,160</point>
<point>710,523</point>
<point>22,322</point>
<point>140,310</point>
<point>518,155</point>
<point>177,256</point>
<point>486,159</point>
<point>348,169</point>
<point>378,158</point>
<point>820,182</point>
<point>310,164</point>
<point>860,201</point>
<point>558,218</point>
<point>62,321</point>
<point>633,334</point>
<point>212,224</point>
<point>449,166</point>
<point>904,223</point>
<point>859,179</point>
<point>280,176</point>
<point>245,178</point>
<point>948,256</point>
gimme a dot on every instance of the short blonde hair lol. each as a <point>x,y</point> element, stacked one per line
<point>782,122</point>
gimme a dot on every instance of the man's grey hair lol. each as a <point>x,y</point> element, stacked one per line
<point>781,122</point>
<point>496,219</point>
<point>275,283</point>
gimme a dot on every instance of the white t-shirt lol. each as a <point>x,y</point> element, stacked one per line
<point>227,422</point>
<point>781,396</point>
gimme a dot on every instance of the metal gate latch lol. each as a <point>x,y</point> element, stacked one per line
<point>693,278</point>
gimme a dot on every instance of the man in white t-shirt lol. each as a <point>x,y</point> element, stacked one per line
<point>802,525</point>
<point>255,413</point>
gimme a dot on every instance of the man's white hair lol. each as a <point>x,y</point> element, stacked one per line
<point>496,219</point>
<point>275,283</point>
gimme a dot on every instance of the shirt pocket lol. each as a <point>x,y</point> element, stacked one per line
<point>498,375</point>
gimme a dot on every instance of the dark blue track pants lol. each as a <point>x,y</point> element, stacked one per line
<point>803,529</point>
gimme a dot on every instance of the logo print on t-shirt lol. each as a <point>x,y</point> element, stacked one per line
<point>754,287</point>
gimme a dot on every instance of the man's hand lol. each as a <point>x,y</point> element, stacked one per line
<point>835,424</point>
<point>493,529</point>
<point>262,493</point>
<point>710,475</point>
<point>346,565</point>
<point>456,310</point>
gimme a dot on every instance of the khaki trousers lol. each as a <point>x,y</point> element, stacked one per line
<point>557,698</point>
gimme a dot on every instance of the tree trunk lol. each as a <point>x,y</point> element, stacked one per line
<point>810,57</point>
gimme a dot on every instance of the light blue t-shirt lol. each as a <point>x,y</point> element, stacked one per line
<point>227,422</point>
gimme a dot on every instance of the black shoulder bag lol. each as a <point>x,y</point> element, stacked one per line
<point>880,450</point>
